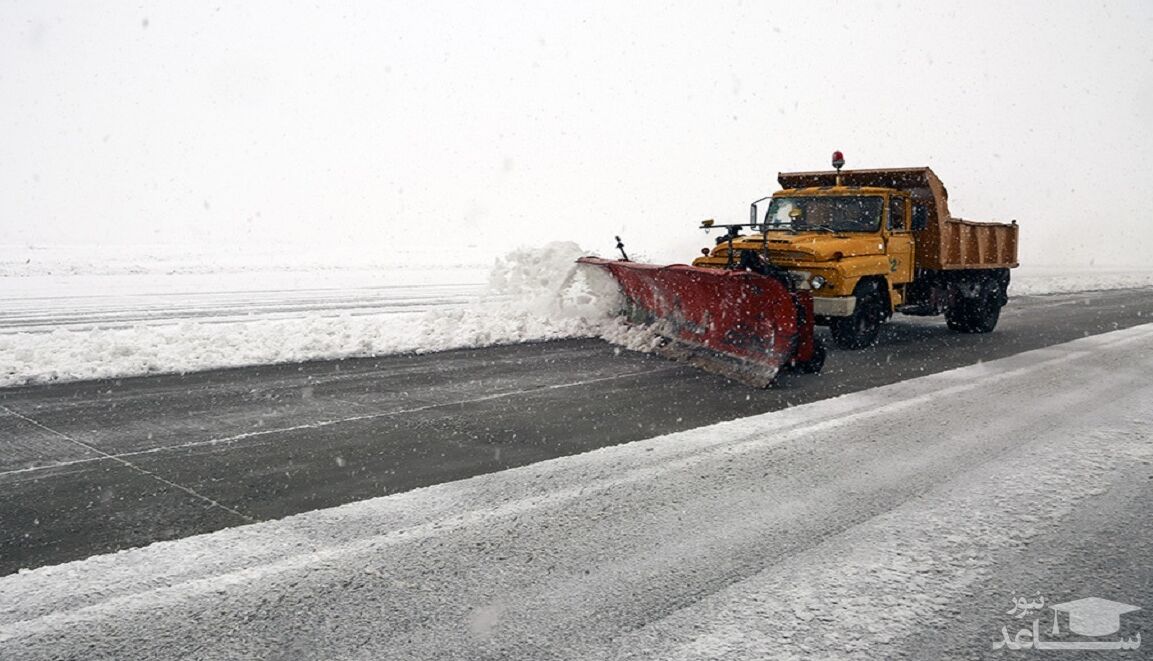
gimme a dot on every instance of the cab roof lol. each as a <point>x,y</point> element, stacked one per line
<point>834,190</point>
<point>888,178</point>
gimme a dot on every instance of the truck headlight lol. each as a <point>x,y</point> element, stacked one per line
<point>818,282</point>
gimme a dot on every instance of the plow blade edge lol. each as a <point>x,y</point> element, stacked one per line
<point>739,324</point>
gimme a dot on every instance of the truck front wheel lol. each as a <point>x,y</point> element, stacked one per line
<point>860,329</point>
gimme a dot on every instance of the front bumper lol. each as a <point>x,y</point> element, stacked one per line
<point>834,306</point>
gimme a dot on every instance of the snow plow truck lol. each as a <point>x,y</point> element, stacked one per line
<point>845,249</point>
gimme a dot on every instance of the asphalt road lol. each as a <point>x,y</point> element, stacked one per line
<point>890,523</point>
<point>94,467</point>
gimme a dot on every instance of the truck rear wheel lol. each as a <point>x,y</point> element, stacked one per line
<point>860,329</point>
<point>978,314</point>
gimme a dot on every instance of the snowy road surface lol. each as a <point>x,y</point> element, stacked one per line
<point>894,522</point>
<point>88,468</point>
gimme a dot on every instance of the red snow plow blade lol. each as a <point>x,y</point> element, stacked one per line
<point>739,324</point>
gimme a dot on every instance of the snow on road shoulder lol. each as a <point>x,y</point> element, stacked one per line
<point>861,595</point>
<point>1033,280</point>
<point>674,547</point>
<point>532,295</point>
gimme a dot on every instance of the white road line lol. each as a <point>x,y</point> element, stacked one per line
<point>121,460</point>
<point>311,425</point>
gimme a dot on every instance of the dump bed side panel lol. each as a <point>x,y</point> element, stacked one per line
<point>966,245</point>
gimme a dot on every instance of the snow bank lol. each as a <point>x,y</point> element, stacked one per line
<point>533,294</point>
<point>99,313</point>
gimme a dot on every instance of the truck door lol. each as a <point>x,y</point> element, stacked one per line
<point>900,242</point>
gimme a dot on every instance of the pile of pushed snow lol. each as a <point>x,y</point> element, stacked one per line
<point>554,288</point>
<point>535,271</point>
<point>534,294</point>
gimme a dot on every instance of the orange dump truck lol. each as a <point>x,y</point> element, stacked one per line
<point>868,243</point>
<point>843,249</point>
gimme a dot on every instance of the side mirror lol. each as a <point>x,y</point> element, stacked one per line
<point>920,217</point>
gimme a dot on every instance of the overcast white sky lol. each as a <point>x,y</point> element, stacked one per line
<point>507,123</point>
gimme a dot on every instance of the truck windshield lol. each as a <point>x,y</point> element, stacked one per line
<point>843,213</point>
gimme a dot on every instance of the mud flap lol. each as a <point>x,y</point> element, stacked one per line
<point>738,324</point>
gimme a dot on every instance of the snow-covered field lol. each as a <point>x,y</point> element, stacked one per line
<point>1040,279</point>
<point>718,542</point>
<point>71,313</point>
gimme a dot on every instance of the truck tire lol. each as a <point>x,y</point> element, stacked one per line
<point>978,314</point>
<point>860,329</point>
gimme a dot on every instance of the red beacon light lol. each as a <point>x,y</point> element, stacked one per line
<point>838,162</point>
